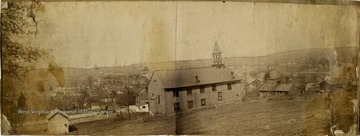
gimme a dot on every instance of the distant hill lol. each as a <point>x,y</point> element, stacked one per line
<point>297,58</point>
<point>308,56</point>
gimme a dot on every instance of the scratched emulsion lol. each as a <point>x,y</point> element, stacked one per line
<point>158,50</point>
<point>115,34</point>
<point>335,109</point>
<point>37,86</point>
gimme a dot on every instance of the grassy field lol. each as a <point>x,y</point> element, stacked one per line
<point>116,126</point>
<point>286,117</point>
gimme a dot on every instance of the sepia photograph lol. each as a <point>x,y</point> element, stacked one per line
<point>239,67</point>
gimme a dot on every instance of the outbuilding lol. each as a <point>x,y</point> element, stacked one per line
<point>58,122</point>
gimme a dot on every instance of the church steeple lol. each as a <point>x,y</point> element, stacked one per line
<point>217,60</point>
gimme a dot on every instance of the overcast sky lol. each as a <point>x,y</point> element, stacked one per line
<point>85,34</point>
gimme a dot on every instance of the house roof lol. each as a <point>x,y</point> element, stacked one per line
<point>283,87</point>
<point>143,95</point>
<point>251,80</point>
<point>56,111</point>
<point>136,90</point>
<point>142,91</point>
<point>269,87</point>
<point>187,77</point>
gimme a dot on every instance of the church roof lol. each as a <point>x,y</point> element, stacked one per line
<point>187,77</point>
<point>216,48</point>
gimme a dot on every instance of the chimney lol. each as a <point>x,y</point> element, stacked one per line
<point>197,79</point>
<point>232,74</point>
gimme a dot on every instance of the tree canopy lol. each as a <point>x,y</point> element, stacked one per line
<point>16,24</point>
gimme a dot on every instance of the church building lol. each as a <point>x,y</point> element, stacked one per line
<point>181,90</point>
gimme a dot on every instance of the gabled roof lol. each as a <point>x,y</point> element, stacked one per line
<point>283,87</point>
<point>250,80</point>
<point>56,111</point>
<point>187,77</point>
<point>269,87</point>
<point>142,91</point>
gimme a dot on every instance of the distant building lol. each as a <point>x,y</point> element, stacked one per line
<point>325,86</point>
<point>58,122</point>
<point>252,86</point>
<point>273,89</point>
<point>118,80</point>
<point>312,87</point>
<point>106,97</point>
<point>288,88</point>
<point>268,89</point>
<point>254,82</point>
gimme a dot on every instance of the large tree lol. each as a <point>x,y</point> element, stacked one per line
<point>18,23</point>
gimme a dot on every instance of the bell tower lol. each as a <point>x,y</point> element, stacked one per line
<point>217,60</point>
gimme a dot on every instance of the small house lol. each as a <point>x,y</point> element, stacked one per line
<point>287,89</point>
<point>273,89</point>
<point>268,89</point>
<point>254,82</point>
<point>58,122</point>
<point>312,87</point>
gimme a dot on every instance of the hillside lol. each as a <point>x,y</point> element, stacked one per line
<point>295,60</point>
